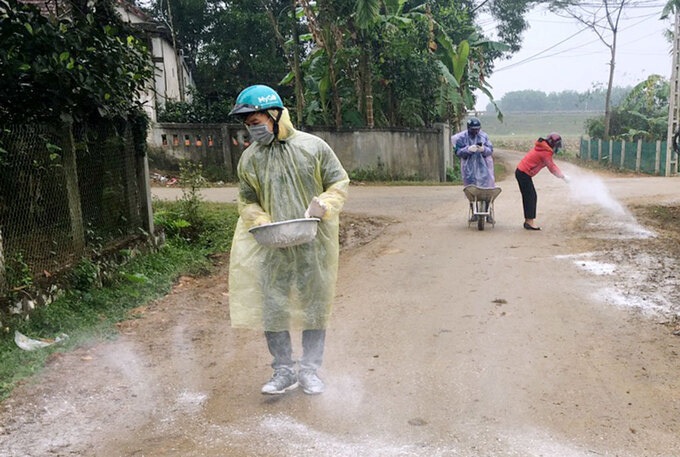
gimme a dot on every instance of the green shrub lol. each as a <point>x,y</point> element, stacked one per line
<point>88,311</point>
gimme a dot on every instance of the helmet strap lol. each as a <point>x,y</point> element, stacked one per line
<point>276,119</point>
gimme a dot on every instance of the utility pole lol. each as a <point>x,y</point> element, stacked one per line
<point>674,102</point>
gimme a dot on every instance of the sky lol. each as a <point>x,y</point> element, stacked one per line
<point>561,54</point>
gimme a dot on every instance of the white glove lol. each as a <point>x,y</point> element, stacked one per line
<point>473,148</point>
<point>566,178</point>
<point>316,208</point>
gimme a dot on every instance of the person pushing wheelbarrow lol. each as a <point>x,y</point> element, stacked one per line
<point>476,164</point>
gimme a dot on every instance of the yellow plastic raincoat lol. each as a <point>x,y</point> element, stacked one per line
<point>279,289</point>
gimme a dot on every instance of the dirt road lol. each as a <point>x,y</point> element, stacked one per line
<point>445,341</point>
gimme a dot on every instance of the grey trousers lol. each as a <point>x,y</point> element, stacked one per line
<point>280,347</point>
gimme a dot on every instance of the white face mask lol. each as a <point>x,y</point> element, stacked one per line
<point>260,133</point>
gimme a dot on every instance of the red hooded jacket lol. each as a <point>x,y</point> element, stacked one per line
<point>540,156</point>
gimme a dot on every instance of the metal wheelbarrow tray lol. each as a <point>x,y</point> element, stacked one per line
<point>481,204</point>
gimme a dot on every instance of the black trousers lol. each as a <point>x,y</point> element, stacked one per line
<point>529,196</point>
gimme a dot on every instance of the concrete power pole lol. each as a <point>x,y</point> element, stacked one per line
<point>674,102</point>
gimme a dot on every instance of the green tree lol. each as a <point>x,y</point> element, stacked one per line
<point>282,22</point>
<point>239,49</point>
<point>199,110</point>
<point>388,46</point>
<point>525,100</point>
<point>86,64</point>
<point>568,100</point>
<point>603,19</point>
<point>643,113</point>
<point>671,7</point>
<point>361,62</point>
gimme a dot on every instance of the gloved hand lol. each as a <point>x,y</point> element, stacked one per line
<point>261,220</point>
<point>473,148</point>
<point>566,178</point>
<point>316,208</point>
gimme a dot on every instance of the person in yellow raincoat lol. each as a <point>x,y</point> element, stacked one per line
<point>285,174</point>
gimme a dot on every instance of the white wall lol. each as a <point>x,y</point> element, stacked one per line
<point>172,76</point>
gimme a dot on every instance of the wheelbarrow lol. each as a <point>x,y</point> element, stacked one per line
<point>481,204</point>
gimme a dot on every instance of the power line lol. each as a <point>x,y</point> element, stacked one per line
<point>536,56</point>
<point>540,55</point>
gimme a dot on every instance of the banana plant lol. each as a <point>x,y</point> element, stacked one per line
<point>463,71</point>
<point>671,7</point>
<point>460,65</point>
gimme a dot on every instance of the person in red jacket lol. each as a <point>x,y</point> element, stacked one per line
<point>533,162</point>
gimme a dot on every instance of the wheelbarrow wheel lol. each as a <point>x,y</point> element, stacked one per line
<point>481,219</point>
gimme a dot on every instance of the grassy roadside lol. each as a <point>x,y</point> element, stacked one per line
<point>195,231</point>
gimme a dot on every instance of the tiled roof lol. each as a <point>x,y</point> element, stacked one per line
<point>127,6</point>
<point>50,7</point>
<point>60,7</point>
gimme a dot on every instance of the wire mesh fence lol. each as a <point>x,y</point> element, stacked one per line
<point>65,193</point>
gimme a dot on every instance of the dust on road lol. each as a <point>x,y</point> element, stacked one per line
<point>445,341</point>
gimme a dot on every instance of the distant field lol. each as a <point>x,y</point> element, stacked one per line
<point>532,124</point>
<point>519,130</point>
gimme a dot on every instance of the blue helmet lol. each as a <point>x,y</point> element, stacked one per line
<point>473,125</point>
<point>256,98</point>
